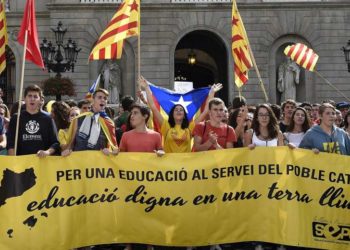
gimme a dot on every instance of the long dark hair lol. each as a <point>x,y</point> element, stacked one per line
<point>232,120</point>
<point>307,122</point>
<point>61,114</point>
<point>185,124</point>
<point>272,127</point>
<point>346,124</point>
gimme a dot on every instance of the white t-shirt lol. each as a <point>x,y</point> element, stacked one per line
<point>294,138</point>
<point>264,143</point>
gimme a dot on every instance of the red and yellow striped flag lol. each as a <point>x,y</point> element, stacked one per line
<point>124,24</point>
<point>3,37</point>
<point>240,52</point>
<point>302,55</point>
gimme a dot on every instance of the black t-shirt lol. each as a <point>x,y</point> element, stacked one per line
<point>36,132</point>
<point>283,127</point>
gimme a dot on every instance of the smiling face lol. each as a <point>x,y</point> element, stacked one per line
<point>99,102</point>
<point>32,101</point>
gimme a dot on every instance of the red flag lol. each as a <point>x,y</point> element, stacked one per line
<point>29,24</point>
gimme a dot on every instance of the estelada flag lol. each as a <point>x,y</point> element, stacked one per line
<point>124,24</point>
<point>28,24</point>
<point>193,101</point>
<point>93,88</point>
<point>3,37</point>
<point>302,55</point>
<point>240,52</point>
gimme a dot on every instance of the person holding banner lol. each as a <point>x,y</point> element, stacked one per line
<point>177,130</point>
<point>265,131</point>
<point>213,134</point>
<point>60,115</point>
<point>300,123</point>
<point>93,130</point>
<point>326,137</point>
<point>36,132</point>
<point>140,138</point>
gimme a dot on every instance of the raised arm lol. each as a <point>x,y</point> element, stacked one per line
<point>144,84</point>
<point>241,122</point>
<point>214,88</point>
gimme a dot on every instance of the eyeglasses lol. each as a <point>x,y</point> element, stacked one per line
<point>264,115</point>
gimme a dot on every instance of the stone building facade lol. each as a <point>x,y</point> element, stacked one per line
<point>173,29</point>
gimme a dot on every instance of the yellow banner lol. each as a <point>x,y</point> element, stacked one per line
<point>284,196</point>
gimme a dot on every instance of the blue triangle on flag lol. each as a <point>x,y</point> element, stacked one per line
<point>192,100</point>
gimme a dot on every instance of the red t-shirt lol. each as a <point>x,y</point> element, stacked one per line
<point>225,133</point>
<point>147,141</point>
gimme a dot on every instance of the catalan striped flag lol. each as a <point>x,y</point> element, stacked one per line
<point>193,101</point>
<point>93,88</point>
<point>302,55</point>
<point>3,36</point>
<point>240,52</point>
<point>124,24</point>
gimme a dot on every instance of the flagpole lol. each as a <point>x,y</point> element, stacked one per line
<point>21,90</point>
<point>139,55</point>
<point>250,52</point>
<point>330,84</point>
<point>240,93</point>
<point>139,44</point>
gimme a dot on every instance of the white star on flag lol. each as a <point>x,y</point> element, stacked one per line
<point>183,103</point>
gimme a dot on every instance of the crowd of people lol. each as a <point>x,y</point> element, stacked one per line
<point>61,127</point>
